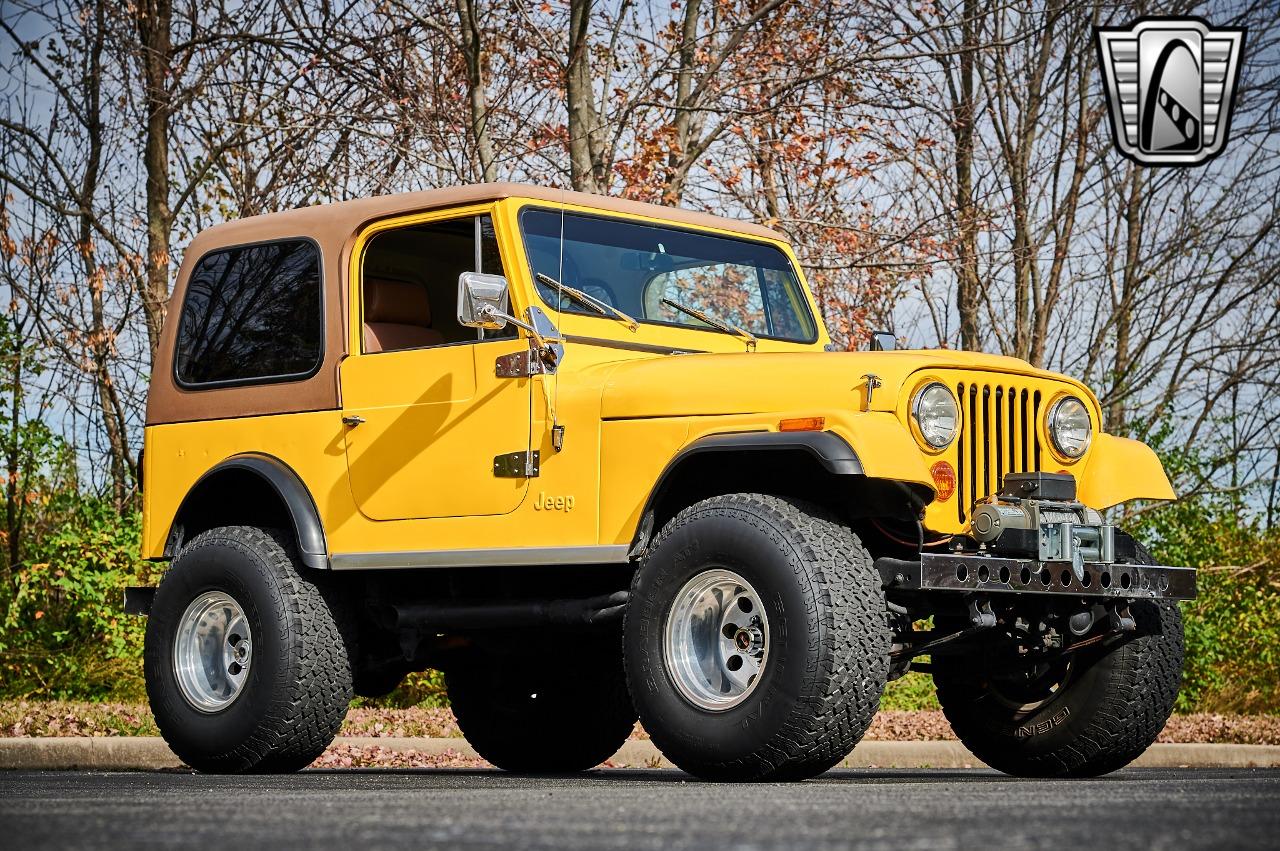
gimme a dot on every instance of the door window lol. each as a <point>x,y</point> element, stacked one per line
<point>410,283</point>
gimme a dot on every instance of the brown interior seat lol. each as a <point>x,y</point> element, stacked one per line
<point>397,315</point>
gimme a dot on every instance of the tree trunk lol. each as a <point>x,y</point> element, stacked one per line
<point>683,124</point>
<point>154,19</point>
<point>472,40</point>
<point>1065,215</point>
<point>968,285</point>
<point>100,340</point>
<point>13,499</point>
<point>1124,309</point>
<point>585,171</point>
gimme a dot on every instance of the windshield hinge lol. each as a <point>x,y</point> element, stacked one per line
<point>873,381</point>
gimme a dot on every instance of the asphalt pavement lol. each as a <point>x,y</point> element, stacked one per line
<point>357,810</point>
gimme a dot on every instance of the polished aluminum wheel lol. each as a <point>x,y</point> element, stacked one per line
<point>716,640</point>
<point>212,651</point>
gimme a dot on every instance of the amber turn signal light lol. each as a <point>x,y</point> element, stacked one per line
<point>944,479</point>
<point>802,424</point>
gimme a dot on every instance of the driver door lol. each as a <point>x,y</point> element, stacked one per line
<point>426,414</point>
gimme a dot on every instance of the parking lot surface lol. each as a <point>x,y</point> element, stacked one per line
<point>636,809</point>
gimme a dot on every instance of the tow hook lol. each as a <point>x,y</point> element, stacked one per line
<point>980,613</point>
<point>1121,619</point>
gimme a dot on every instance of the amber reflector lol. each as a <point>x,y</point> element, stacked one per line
<point>802,424</point>
<point>944,478</point>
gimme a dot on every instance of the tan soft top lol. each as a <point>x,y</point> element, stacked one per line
<point>334,227</point>
<point>360,211</point>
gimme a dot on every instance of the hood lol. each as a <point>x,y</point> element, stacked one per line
<point>740,383</point>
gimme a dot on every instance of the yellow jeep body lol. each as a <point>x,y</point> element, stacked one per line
<point>413,483</point>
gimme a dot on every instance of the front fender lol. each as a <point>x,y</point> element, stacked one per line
<point>1119,470</point>
<point>885,448</point>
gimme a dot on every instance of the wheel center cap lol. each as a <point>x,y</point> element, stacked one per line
<point>748,639</point>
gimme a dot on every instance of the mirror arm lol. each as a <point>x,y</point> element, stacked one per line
<point>544,348</point>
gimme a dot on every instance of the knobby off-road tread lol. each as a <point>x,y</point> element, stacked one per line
<point>1148,676</point>
<point>851,662</point>
<point>1139,682</point>
<point>309,698</point>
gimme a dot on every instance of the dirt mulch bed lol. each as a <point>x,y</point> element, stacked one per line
<point>419,721</point>
<point>340,755</point>
<point>75,718</point>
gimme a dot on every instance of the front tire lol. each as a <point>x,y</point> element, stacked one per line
<point>247,668</point>
<point>756,639</point>
<point>1095,715</point>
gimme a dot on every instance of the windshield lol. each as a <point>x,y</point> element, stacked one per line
<point>634,267</point>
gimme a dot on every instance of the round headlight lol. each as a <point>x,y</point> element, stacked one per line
<point>1070,427</point>
<point>936,415</point>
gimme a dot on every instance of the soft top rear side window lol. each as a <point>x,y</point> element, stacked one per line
<point>252,314</point>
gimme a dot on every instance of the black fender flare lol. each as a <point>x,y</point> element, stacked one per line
<point>292,492</point>
<point>829,449</point>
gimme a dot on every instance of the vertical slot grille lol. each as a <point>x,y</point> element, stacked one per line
<point>998,435</point>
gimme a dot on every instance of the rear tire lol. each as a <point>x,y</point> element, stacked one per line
<point>279,710</point>
<point>1111,705</point>
<point>558,712</point>
<point>818,648</point>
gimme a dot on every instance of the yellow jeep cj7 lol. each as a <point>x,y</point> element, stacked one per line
<point>593,459</point>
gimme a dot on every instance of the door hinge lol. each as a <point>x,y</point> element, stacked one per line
<point>520,364</point>
<point>525,363</point>
<point>517,465</point>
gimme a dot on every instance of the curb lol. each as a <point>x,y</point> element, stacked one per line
<point>150,753</point>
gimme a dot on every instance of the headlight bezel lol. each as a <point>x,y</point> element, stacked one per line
<point>1056,444</point>
<point>917,426</point>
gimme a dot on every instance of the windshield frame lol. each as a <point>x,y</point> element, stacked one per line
<point>805,297</point>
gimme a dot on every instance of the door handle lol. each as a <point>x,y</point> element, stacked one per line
<point>352,420</point>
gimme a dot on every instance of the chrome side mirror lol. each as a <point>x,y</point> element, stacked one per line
<point>482,301</point>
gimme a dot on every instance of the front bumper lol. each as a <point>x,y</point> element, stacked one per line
<point>954,572</point>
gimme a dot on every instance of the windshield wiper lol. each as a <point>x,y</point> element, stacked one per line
<point>718,324</point>
<point>589,300</point>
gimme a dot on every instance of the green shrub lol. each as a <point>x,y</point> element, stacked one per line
<point>425,688</point>
<point>65,632</point>
<point>914,691</point>
<point>1233,627</point>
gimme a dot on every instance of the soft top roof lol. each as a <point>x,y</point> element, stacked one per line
<point>333,227</point>
<point>349,215</point>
